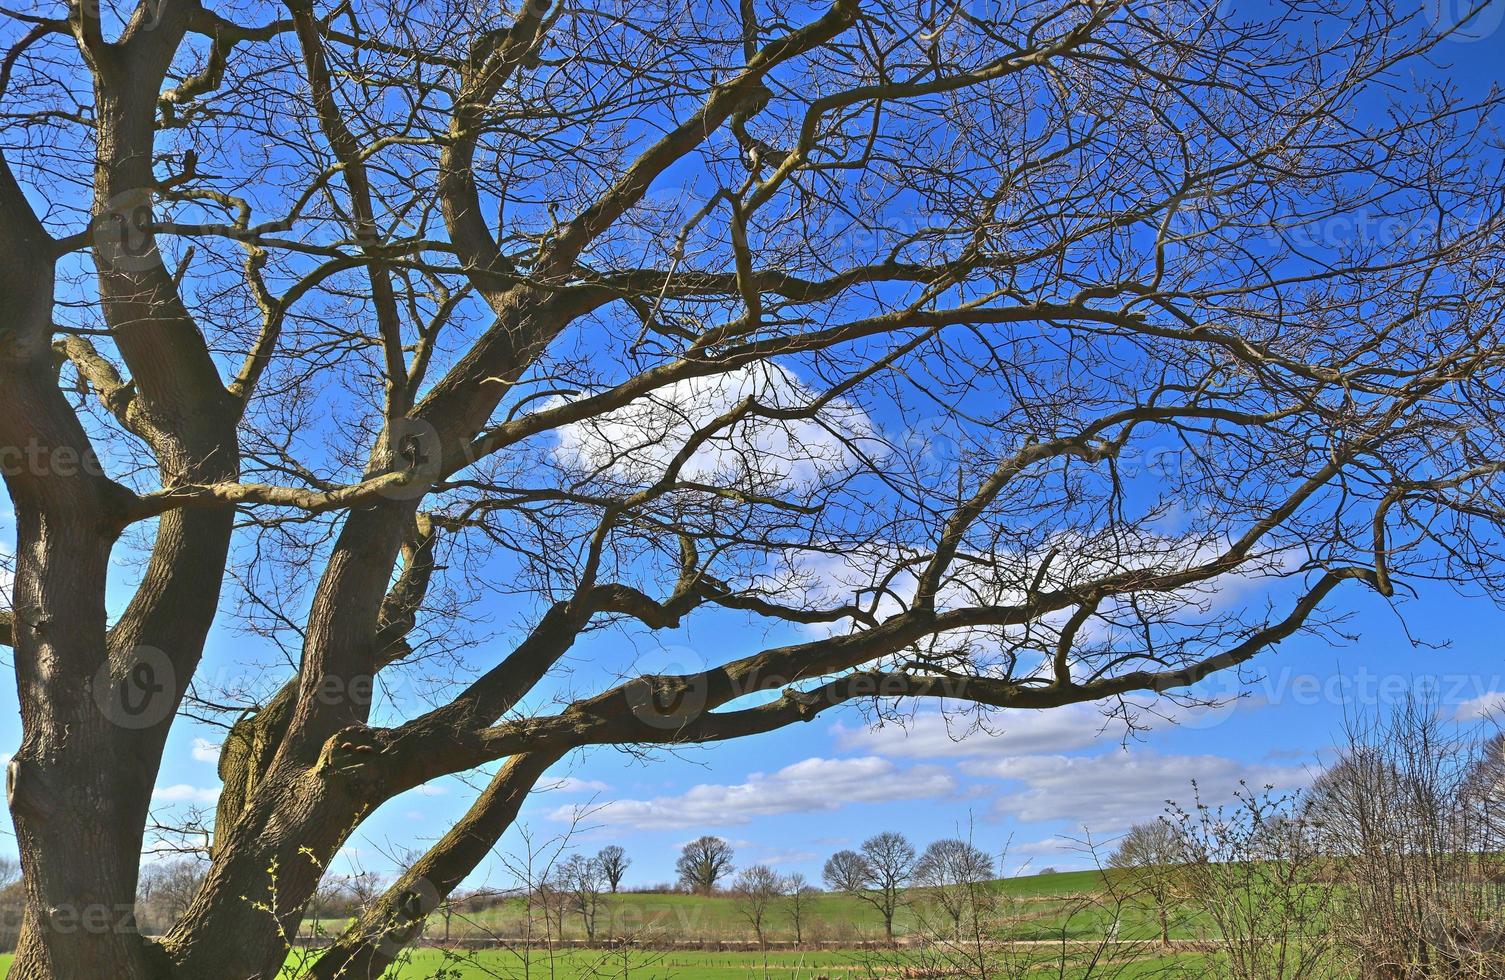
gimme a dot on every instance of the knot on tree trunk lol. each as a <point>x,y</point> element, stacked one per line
<point>353,754</point>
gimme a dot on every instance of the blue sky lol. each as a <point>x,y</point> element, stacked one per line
<point>1033,783</point>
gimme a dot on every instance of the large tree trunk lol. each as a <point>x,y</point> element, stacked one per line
<point>73,768</point>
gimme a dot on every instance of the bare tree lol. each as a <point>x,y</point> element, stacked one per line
<point>703,862</point>
<point>846,871</point>
<point>1005,937</point>
<point>1408,810</point>
<point>1147,856</point>
<point>1483,790</point>
<point>878,875</point>
<point>582,880</point>
<point>756,889</point>
<point>613,861</point>
<point>799,895</point>
<point>331,899</point>
<point>365,887</point>
<point>955,874</point>
<point>1035,320</point>
<point>165,891</point>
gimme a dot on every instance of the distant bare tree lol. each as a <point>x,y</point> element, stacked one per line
<point>331,899</point>
<point>955,876</point>
<point>614,862</point>
<point>1148,857</point>
<point>582,880</point>
<point>166,890</point>
<point>799,895</point>
<point>365,886</point>
<point>1006,937</point>
<point>1483,791</point>
<point>1410,811</point>
<point>756,889</point>
<point>703,862</point>
<point>846,871</point>
<point>878,874</point>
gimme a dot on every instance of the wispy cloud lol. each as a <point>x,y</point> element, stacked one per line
<point>932,735</point>
<point>812,786</point>
<point>184,793</point>
<point>205,751</point>
<point>1107,793</point>
<point>1488,705</point>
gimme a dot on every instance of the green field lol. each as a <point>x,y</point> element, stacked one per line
<point>1046,905</point>
<point>1042,910</point>
<point>589,965</point>
<point>431,964</point>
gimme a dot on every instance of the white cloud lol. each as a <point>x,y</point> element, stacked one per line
<point>1489,705</point>
<point>934,735</point>
<point>205,750</point>
<point>1109,792</point>
<point>635,442</point>
<point>184,793</point>
<point>430,789</point>
<point>812,786</point>
<point>776,858</point>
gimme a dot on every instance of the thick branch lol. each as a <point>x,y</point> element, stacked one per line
<point>395,920</point>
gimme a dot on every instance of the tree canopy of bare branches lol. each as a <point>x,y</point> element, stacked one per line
<point>955,875</point>
<point>755,890</point>
<point>702,863</point>
<point>878,874</point>
<point>461,353</point>
<point>614,862</point>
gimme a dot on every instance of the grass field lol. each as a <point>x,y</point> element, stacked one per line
<point>1044,909</point>
<point>429,964</point>
<point>594,965</point>
<point>583,965</point>
<point>829,918</point>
